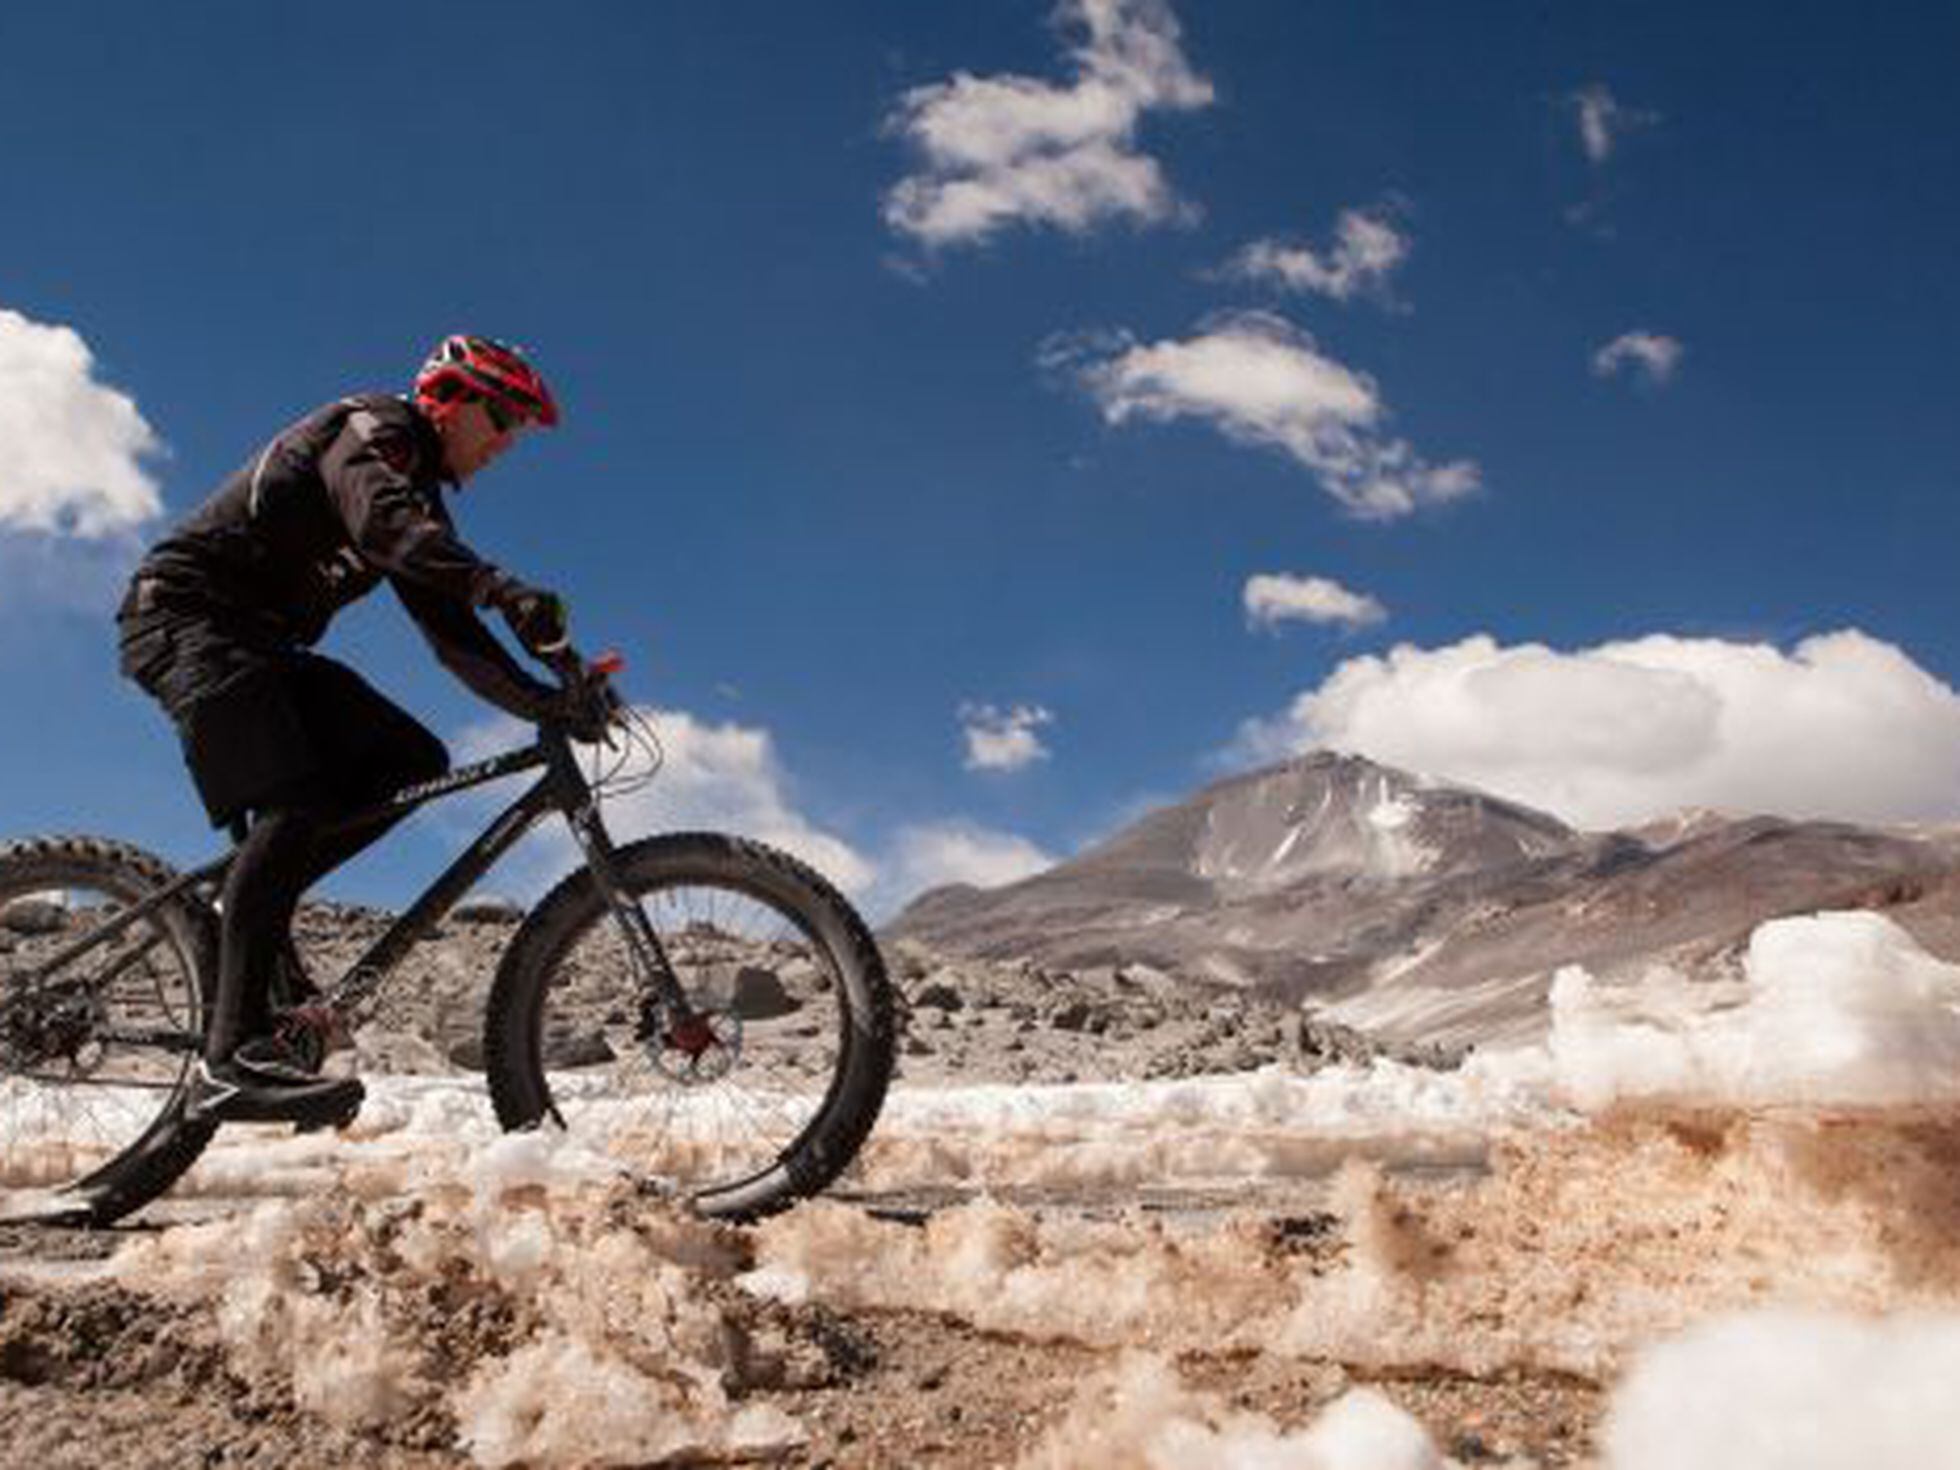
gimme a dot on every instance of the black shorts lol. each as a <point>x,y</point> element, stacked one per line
<point>266,727</point>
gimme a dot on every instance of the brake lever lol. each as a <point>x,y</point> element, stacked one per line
<point>595,680</point>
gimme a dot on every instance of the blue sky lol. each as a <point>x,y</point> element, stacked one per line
<point>926,365</point>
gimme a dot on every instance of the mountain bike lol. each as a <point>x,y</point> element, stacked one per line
<point>707,1010</point>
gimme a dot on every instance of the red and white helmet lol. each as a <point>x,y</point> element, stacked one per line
<point>479,367</point>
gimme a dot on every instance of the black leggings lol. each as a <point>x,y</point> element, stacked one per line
<point>286,852</point>
<point>299,741</point>
<point>355,748</point>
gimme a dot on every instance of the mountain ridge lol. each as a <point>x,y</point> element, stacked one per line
<point>1425,909</point>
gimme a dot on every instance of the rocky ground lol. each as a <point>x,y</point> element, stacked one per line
<point>94,1372</point>
<point>963,1020</point>
<point>97,1377</point>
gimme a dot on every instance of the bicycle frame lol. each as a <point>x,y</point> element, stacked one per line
<point>562,788</point>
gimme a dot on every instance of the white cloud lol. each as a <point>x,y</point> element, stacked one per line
<point>1261,380</point>
<point>728,778</point>
<point>724,778</point>
<point>71,448</point>
<point>1842,726</point>
<point>1367,248</point>
<point>1651,354</point>
<point>1272,598</point>
<point>1012,149</point>
<point>1003,739</point>
<point>930,854</point>
<point>1604,120</point>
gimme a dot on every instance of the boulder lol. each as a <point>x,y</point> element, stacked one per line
<point>938,994</point>
<point>466,1052</point>
<point>487,910</point>
<point>34,916</point>
<point>760,995</point>
<point>576,1048</point>
<point>1081,1015</point>
<point>379,1051</point>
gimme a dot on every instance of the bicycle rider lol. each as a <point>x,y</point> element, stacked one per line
<point>218,624</point>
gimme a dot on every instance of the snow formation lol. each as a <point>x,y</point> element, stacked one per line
<point>1735,1200</point>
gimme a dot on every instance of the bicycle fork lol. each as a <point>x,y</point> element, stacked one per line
<point>666,1016</point>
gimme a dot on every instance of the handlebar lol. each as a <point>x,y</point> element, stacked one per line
<point>590,685</point>
<point>570,665</point>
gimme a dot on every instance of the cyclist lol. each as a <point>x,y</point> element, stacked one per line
<point>217,626</point>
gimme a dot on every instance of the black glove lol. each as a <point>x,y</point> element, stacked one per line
<point>538,618</point>
<point>584,709</point>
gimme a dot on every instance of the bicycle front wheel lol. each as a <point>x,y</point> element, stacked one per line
<point>98,1028</point>
<point>766,1092</point>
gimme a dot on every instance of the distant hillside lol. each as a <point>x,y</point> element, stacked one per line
<point>1423,910</point>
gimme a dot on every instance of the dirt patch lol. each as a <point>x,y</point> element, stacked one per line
<point>101,1376</point>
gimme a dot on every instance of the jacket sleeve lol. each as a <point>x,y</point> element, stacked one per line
<point>375,482</point>
<point>471,652</point>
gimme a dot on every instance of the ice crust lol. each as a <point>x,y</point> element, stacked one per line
<point>1838,1008</point>
<point>515,1288</point>
<point>1794,1390</point>
<point>1694,1189</point>
<point>1141,1416</point>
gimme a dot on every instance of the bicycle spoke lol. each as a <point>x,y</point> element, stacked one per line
<point>95,1033</point>
<point>743,1099</point>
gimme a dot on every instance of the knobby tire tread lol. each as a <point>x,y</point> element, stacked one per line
<point>866,1059</point>
<point>159,1157</point>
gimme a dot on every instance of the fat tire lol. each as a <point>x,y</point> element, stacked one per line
<point>161,1154</point>
<point>833,1136</point>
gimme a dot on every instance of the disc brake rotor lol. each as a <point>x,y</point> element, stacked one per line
<point>43,1029</point>
<point>703,1047</point>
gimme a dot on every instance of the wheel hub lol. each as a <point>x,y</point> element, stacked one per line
<point>703,1046</point>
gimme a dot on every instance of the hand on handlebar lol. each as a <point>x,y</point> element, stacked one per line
<point>585,705</point>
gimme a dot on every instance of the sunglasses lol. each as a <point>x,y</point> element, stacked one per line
<point>503,417</point>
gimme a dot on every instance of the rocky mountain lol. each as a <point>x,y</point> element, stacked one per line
<point>1426,911</point>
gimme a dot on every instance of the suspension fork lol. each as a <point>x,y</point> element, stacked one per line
<point>664,994</point>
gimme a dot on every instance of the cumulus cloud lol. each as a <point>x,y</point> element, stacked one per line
<point>1272,598</point>
<point>1001,150</point>
<point>1650,354</point>
<point>1842,726</point>
<point>1367,248</point>
<point>728,778</point>
<point>928,855</point>
<point>717,777</point>
<point>1260,380</point>
<point>1603,120</point>
<point>1003,739</point>
<point>71,448</point>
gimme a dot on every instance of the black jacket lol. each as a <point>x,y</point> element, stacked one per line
<point>349,496</point>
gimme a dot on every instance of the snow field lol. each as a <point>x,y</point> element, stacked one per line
<point>1794,1390</point>
<point>524,1294</point>
<point>1691,1190</point>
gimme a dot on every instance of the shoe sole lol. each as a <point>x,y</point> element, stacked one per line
<point>330,1108</point>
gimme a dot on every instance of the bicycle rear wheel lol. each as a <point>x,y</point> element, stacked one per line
<point>95,1039</point>
<point>767,1094</point>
